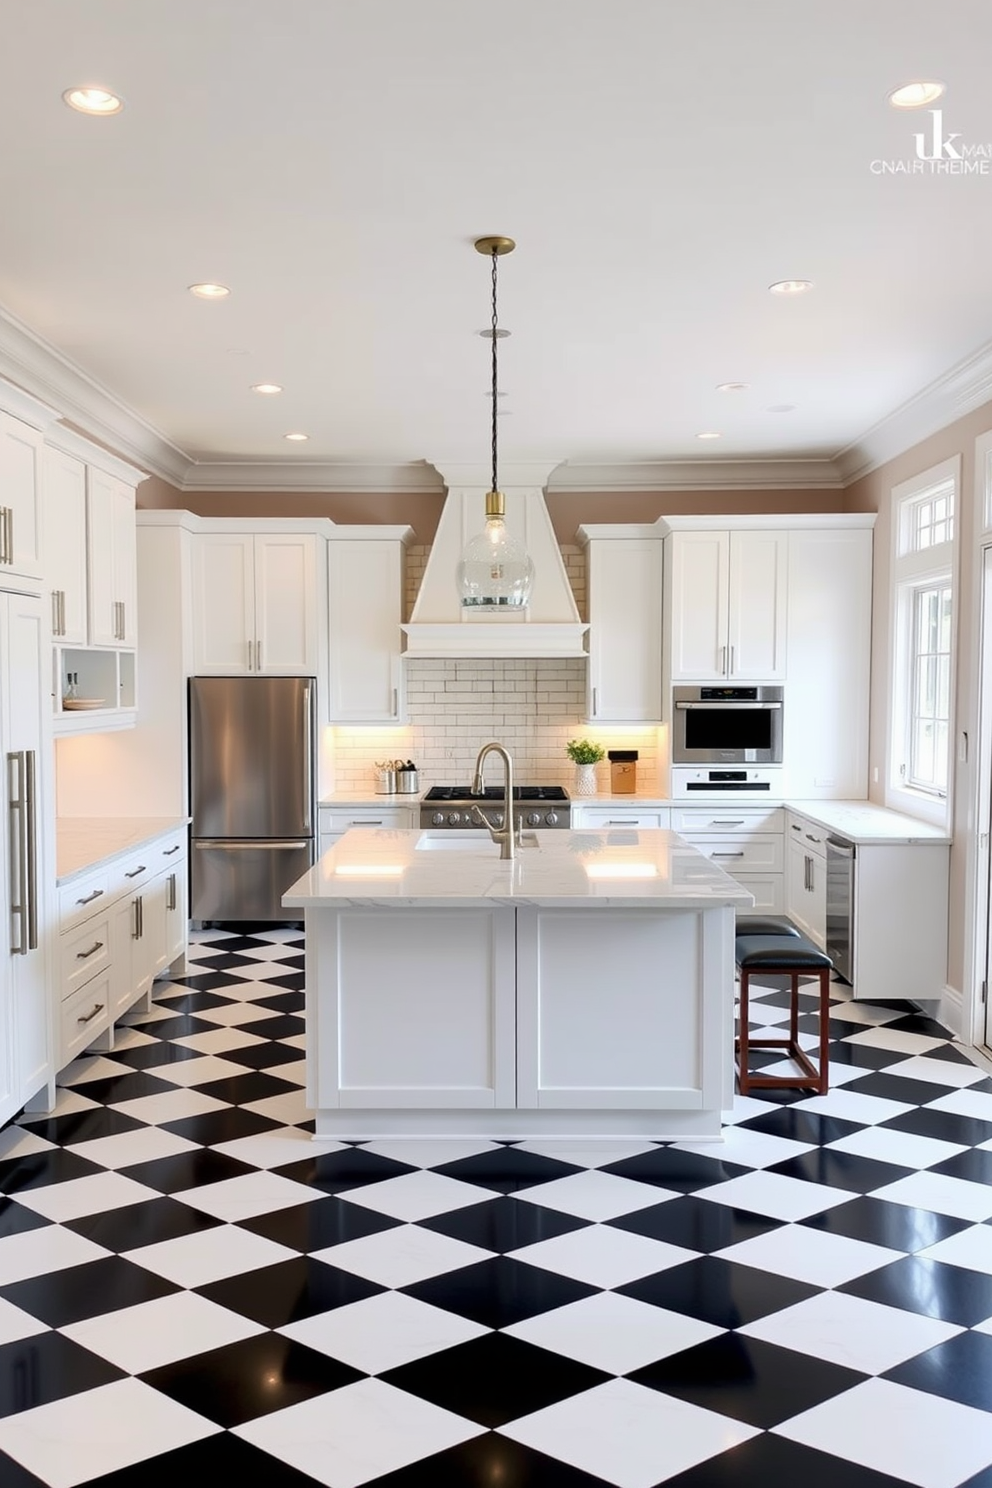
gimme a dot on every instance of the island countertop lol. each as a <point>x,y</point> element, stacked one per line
<point>636,868</point>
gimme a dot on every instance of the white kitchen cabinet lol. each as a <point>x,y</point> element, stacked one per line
<point>65,546</point>
<point>365,612</point>
<point>624,587</point>
<point>21,498</point>
<point>746,842</point>
<point>334,821</point>
<point>112,560</point>
<point>806,877</point>
<point>254,603</point>
<point>726,604</point>
<point>604,818</point>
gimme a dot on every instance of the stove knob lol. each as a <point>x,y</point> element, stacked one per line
<point>437,820</point>
<point>533,818</point>
<point>551,819</point>
<point>454,817</point>
<point>498,818</point>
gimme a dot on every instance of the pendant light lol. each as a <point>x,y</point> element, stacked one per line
<point>495,572</point>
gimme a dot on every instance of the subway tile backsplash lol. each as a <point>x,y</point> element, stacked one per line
<point>454,707</point>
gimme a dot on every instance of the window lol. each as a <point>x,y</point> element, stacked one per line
<point>922,648</point>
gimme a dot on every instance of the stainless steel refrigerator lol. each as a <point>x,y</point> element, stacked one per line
<point>252,793</point>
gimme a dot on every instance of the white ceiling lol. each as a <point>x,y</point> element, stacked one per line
<point>659,163</point>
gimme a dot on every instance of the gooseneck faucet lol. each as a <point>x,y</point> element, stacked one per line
<point>503,835</point>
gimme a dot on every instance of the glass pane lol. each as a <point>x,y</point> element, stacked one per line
<point>942,735</point>
<point>943,708</point>
<point>944,641</point>
<point>922,764</point>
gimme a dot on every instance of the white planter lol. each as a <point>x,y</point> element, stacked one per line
<point>585,780</point>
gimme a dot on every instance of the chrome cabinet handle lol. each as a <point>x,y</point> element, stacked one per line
<point>595,701</point>
<point>141,869</point>
<point>812,885</point>
<point>727,823</point>
<point>55,613</point>
<point>10,534</point>
<point>90,897</point>
<point>97,1008</point>
<point>723,661</point>
<point>123,619</point>
<point>308,760</point>
<point>796,827</point>
<point>396,702</point>
<point>371,822</point>
<point>623,821</point>
<point>4,553</point>
<point>733,664</point>
<point>18,851</point>
<point>62,612</point>
<point>251,656</point>
<point>811,838</point>
<point>170,903</point>
<point>31,833</point>
<point>85,955</point>
<point>727,855</point>
<point>168,851</point>
<point>258,656</point>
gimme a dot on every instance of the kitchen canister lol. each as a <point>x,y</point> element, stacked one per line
<point>385,781</point>
<point>407,781</point>
<point>623,771</point>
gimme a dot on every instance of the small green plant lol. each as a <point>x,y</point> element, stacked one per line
<point>584,751</point>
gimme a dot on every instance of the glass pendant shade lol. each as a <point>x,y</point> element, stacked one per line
<point>495,572</point>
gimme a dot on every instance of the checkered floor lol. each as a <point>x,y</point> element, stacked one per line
<point>192,1290</point>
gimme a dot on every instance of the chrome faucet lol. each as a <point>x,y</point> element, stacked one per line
<point>503,835</point>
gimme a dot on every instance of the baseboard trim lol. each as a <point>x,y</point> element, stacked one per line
<point>948,1010</point>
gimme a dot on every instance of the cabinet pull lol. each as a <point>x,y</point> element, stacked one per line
<point>727,854</point>
<point>55,613</point>
<point>4,549</point>
<point>97,1008</point>
<point>796,828</point>
<point>308,777</point>
<point>812,886</point>
<point>723,661</point>
<point>141,869</point>
<point>30,796</point>
<point>595,701</point>
<point>258,656</point>
<point>168,851</point>
<point>623,821</point>
<point>811,838</point>
<point>137,918</point>
<point>90,897</point>
<point>85,955</point>
<point>170,903</point>
<point>806,873</point>
<point>739,823</point>
<point>23,850</point>
<point>123,619</point>
<point>251,656</point>
<point>61,612</point>
<point>733,666</point>
<point>396,702</point>
<point>370,822</point>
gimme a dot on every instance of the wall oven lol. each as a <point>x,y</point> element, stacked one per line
<point>727,726</point>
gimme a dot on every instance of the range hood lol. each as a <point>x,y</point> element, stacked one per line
<point>550,625</point>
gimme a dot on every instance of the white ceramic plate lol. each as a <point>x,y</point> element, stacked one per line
<point>73,705</point>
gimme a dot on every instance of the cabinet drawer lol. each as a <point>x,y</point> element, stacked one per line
<point>84,1015</point>
<point>85,896</point>
<point>725,820</point>
<point>134,872</point>
<point>768,890</point>
<point>604,817</point>
<point>85,951</point>
<point>741,854</point>
<point>370,816</point>
<point>812,836</point>
<point>168,851</point>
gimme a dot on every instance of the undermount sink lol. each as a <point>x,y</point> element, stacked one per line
<point>471,842</point>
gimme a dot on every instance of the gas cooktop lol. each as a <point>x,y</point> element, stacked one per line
<point>496,793</point>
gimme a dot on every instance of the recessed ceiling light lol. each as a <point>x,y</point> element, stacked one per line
<point>209,291</point>
<point>780,408</point>
<point>709,434</point>
<point>915,95</point>
<point>487,335</point>
<point>296,438</point>
<point>731,387</point>
<point>93,101</point>
<point>266,387</point>
<point>791,286</point>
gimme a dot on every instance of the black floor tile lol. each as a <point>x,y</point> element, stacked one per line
<point>237,943</point>
<point>241,1090</point>
<point>864,1056</point>
<point>845,1170</point>
<point>507,1170</point>
<point>187,1170</point>
<point>251,1378</point>
<point>318,1225</point>
<point>719,1291</point>
<point>35,1371</point>
<point>288,1291</point>
<point>352,1167</point>
<point>38,1169</point>
<point>960,1369</point>
<point>208,981</point>
<point>974,1166</point>
<point>933,1288</point>
<point>186,999</point>
<point>279,1026</point>
<point>84,1126</point>
<point>684,1172</point>
<point>487,1461</point>
<point>945,1126</point>
<point>13,1475</point>
<point>222,961</point>
<point>519,1379</point>
<point>78,1292</point>
<point>223,1460</point>
<point>266,1056</point>
<point>499,1292</point>
<point>695,1223</point>
<point>15,1219</point>
<point>293,982</point>
<point>149,1223</point>
<point>228,1125</point>
<point>897,1088</point>
<point>880,1222</point>
<point>177,1025</point>
<point>769,1461</point>
<point>503,1224</point>
<point>797,1125</point>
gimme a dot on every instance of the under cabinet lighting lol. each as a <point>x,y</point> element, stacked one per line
<point>96,101</point>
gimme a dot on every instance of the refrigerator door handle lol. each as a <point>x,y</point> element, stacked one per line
<point>243,844</point>
<point>18,850</point>
<point>308,757</point>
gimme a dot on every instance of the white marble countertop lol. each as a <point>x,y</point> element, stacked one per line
<point>82,842</point>
<point>627,869</point>
<point>864,823</point>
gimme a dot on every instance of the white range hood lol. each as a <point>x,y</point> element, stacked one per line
<point>550,625</point>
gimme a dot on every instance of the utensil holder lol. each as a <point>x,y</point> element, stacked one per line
<point>385,782</point>
<point>407,782</point>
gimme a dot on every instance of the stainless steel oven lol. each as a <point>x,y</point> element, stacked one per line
<point>727,726</point>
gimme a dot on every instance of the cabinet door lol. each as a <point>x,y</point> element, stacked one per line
<point>21,476</point>
<point>65,546</point>
<point>797,885</point>
<point>125,563</point>
<point>101,522</point>
<point>757,605</point>
<point>625,622</point>
<point>286,603</point>
<point>223,604</point>
<point>699,565</point>
<point>365,595</point>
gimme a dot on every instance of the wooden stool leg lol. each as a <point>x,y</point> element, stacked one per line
<point>824,1030</point>
<point>743,1071</point>
<point>794,1008</point>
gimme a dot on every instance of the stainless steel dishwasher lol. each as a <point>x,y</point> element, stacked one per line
<point>841,867</point>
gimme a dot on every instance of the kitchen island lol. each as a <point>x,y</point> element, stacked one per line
<point>583,988</point>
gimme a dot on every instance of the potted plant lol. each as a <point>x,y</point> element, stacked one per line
<point>586,755</point>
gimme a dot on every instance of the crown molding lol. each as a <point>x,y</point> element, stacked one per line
<point>959,392</point>
<point>294,475</point>
<point>698,475</point>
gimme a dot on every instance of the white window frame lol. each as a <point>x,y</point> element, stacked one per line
<point>912,571</point>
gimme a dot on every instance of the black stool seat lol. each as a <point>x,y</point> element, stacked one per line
<point>778,953</point>
<point>764,925</point>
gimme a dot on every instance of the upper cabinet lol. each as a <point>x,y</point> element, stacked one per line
<point>112,560</point>
<point>254,603</point>
<point>365,612</point>
<point>726,604</point>
<point>21,487</point>
<point>65,546</point>
<point>624,586</point>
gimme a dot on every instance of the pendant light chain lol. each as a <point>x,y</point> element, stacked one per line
<point>495,255</point>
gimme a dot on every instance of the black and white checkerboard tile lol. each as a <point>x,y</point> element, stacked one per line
<point>192,1290</point>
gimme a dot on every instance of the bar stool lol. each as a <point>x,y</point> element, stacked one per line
<point>795,957</point>
<point>764,925</point>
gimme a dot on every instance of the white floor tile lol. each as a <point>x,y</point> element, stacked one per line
<point>160,1332</point>
<point>840,1074</point>
<point>985,1327</point>
<point>904,1149</point>
<point>869,1013</point>
<point>15,1142</point>
<point>290,1108</point>
<point>897,1039</point>
<point>745,1108</point>
<point>295,1041</point>
<point>850,1105</point>
<point>595,1195</point>
<point>294,1072</point>
<point>775,1195</point>
<point>171,1105</point>
<point>230,1013</point>
<point>36,1252</point>
<point>80,1196</point>
<point>929,1441</point>
<point>976,1103</point>
<point>67,1103</point>
<point>360,1432</point>
<point>99,1431</point>
<point>277,1148</point>
<point>93,1067</point>
<point>146,1144</point>
<point>938,1071</point>
<point>586,1154</point>
<point>612,1332</point>
<point>970,1248</point>
<point>629,1435</point>
<point>198,1071</point>
<point>15,1324</point>
<point>414,1196</point>
<point>194,1260</point>
<point>941,1194</point>
<point>813,1256</point>
<point>251,1194</point>
<point>428,1152</point>
<point>602,1256</point>
<point>751,1149</point>
<point>383,1332</point>
<point>403,1255</point>
<point>852,1332</point>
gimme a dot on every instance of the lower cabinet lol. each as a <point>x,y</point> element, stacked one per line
<point>334,821</point>
<point>806,891</point>
<point>121,925</point>
<point>603,818</point>
<point>747,843</point>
